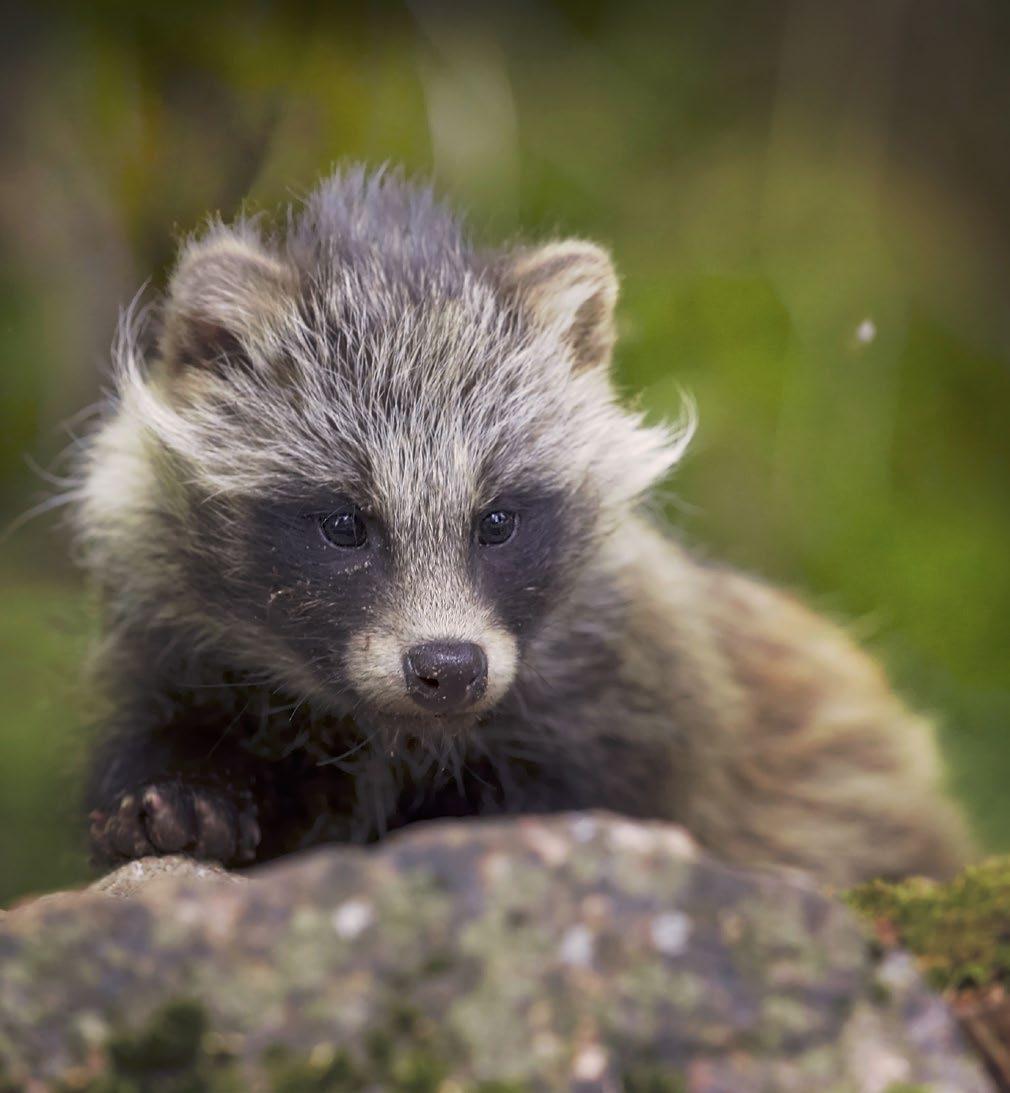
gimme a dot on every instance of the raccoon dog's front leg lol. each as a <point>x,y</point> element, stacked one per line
<point>153,792</point>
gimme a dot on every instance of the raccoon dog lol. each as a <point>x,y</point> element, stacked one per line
<point>368,530</point>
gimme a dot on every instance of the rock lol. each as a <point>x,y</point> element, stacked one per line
<point>580,952</point>
<point>136,876</point>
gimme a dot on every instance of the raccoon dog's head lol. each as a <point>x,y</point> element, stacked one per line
<point>368,460</point>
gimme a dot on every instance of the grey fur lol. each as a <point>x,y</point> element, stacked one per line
<point>371,353</point>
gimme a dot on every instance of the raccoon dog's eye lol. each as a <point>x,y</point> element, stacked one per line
<point>496,527</point>
<point>344,527</point>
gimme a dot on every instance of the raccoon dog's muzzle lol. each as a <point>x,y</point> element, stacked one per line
<point>434,663</point>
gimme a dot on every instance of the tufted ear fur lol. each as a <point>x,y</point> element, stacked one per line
<point>225,294</point>
<point>569,287</point>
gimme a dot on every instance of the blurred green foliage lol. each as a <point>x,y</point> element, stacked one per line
<point>809,205</point>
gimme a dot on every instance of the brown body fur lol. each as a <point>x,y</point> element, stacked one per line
<point>800,753</point>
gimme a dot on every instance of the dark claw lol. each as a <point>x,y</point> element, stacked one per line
<point>249,835</point>
<point>126,832</point>
<point>169,817</point>
<point>217,823</point>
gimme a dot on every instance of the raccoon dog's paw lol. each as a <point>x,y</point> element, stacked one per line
<point>175,817</point>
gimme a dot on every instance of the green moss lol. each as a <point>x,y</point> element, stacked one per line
<point>417,1072</point>
<point>405,1052</point>
<point>171,1039</point>
<point>960,931</point>
<point>412,1071</point>
<point>437,963</point>
<point>169,1054</point>
<point>651,1078</point>
<point>322,1072</point>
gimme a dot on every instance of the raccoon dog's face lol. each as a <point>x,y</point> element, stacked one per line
<point>374,461</point>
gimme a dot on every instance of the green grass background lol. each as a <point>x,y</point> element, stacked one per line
<point>770,179</point>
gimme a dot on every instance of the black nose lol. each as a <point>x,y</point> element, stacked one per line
<point>445,675</point>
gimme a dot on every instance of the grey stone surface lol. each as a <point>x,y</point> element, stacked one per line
<point>137,876</point>
<point>580,952</point>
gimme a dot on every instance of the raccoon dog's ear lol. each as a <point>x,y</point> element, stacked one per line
<point>569,287</point>
<point>224,297</point>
